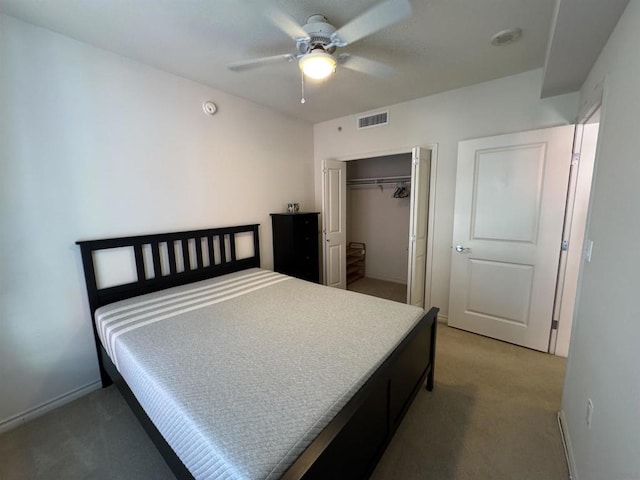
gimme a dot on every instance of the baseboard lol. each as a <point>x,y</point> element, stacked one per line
<point>19,419</point>
<point>443,319</point>
<point>387,279</point>
<point>566,443</point>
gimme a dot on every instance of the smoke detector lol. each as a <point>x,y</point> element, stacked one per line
<point>209,108</point>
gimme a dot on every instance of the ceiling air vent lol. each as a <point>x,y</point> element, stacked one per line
<point>373,120</point>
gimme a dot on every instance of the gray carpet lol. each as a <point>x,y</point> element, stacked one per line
<point>491,416</point>
<point>94,437</point>
<point>380,288</point>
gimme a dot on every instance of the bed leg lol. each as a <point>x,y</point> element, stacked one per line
<point>432,360</point>
<point>105,378</point>
<point>429,385</point>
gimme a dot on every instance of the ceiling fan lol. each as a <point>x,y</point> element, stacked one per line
<point>317,40</point>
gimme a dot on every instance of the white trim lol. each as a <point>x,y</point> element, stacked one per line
<point>575,233</point>
<point>27,415</point>
<point>377,153</point>
<point>566,443</point>
<point>443,319</point>
<point>387,279</point>
<point>323,217</point>
<point>431,222</point>
<point>564,272</point>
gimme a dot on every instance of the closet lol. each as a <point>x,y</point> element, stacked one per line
<point>377,225</point>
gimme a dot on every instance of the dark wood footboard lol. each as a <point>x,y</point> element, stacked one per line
<point>353,442</point>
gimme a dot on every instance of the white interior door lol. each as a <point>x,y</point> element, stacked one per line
<point>334,223</point>
<point>420,181</point>
<point>509,212</point>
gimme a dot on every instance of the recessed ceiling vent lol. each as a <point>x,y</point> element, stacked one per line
<point>374,120</point>
<point>506,37</point>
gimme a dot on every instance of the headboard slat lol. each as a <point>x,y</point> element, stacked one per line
<point>186,261</point>
<point>212,257</point>
<point>155,253</point>
<point>223,253</point>
<point>171,251</point>
<point>137,250</point>
<point>232,244</point>
<point>199,259</point>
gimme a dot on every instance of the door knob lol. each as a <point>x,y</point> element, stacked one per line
<point>461,249</point>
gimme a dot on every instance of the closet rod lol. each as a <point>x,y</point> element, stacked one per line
<point>379,180</point>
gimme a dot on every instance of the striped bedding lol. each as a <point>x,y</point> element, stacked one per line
<point>241,372</point>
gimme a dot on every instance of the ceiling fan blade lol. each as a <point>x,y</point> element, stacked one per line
<point>258,62</point>
<point>285,23</point>
<point>366,65</point>
<point>380,16</point>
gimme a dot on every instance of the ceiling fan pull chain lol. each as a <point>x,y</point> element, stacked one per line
<point>302,100</point>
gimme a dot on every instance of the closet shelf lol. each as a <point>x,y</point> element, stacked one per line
<point>356,252</point>
<point>379,180</point>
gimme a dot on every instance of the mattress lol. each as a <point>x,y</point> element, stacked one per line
<point>241,372</point>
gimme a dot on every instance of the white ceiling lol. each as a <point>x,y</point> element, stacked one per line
<point>445,44</point>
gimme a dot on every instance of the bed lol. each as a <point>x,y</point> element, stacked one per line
<point>239,372</point>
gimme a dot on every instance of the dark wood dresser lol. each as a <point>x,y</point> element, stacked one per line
<point>295,245</point>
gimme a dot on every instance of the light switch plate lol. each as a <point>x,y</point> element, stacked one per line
<point>588,249</point>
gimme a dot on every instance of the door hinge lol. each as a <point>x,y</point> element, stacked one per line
<point>565,245</point>
<point>554,324</point>
<point>575,159</point>
<point>324,170</point>
<point>412,238</point>
<point>416,160</point>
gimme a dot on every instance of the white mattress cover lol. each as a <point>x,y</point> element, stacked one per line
<point>241,372</point>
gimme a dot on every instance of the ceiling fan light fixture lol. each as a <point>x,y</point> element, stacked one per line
<point>317,64</point>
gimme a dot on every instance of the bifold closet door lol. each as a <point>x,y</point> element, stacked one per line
<point>334,223</point>
<point>420,182</point>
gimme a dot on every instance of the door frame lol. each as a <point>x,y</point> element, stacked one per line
<point>575,231</point>
<point>430,211</point>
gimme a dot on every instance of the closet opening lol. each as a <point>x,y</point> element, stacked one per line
<point>377,219</point>
<point>383,221</point>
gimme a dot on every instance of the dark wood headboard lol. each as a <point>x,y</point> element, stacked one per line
<point>220,261</point>
<point>160,278</point>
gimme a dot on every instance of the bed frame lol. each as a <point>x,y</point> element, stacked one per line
<point>353,442</point>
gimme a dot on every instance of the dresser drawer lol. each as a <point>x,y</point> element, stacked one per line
<point>305,227</point>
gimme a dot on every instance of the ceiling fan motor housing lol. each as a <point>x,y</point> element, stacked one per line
<point>320,32</point>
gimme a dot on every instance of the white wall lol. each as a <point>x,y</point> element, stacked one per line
<point>604,358</point>
<point>506,105</point>
<point>382,223</point>
<point>94,145</point>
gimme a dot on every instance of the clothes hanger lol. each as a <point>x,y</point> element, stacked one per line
<point>401,191</point>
